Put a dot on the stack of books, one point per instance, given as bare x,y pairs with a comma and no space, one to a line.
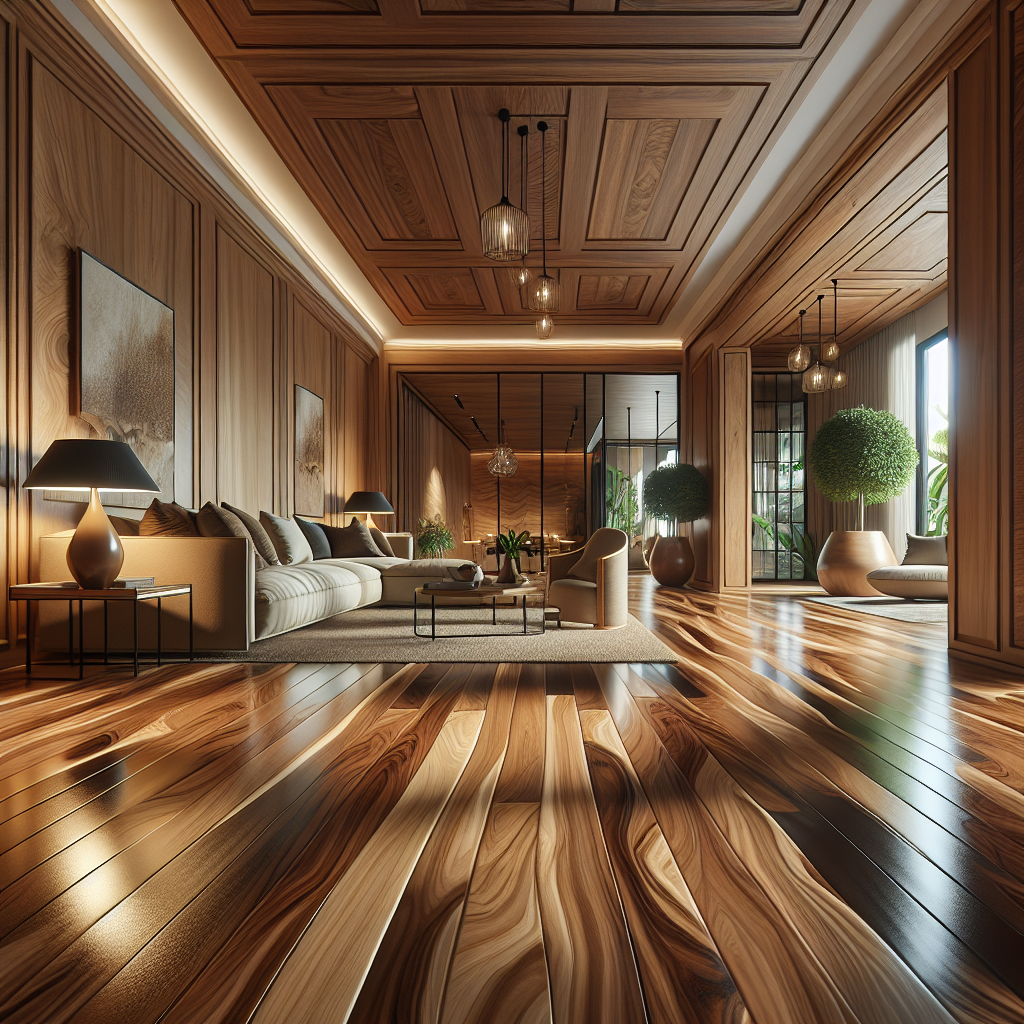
133,582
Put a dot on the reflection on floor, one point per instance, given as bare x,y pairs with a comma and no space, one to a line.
814,816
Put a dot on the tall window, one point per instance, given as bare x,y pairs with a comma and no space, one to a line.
933,434
780,426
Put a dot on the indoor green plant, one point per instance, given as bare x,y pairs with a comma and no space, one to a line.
678,493
511,544
433,537
867,456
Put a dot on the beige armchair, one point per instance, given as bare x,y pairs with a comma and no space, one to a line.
590,584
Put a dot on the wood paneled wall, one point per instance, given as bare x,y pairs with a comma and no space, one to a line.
984,288
733,490
94,170
699,442
434,471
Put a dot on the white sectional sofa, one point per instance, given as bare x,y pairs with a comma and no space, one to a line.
234,602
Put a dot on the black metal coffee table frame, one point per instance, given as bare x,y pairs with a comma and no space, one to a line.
474,600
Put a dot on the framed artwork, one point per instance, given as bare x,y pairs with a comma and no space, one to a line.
125,372
309,453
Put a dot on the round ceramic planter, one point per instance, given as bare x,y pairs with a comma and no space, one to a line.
671,561
846,559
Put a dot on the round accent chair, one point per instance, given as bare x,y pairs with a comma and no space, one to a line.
590,585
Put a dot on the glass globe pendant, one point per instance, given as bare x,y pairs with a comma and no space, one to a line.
504,228
543,293
818,377
503,462
830,348
520,276
800,357
545,327
839,380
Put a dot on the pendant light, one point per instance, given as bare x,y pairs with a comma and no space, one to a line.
503,462
545,326
504,228
800,357
830,349
838,380
521,276
542,294
816,377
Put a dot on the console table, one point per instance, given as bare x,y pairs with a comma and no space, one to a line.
72,592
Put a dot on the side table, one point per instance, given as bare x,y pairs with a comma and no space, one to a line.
72,592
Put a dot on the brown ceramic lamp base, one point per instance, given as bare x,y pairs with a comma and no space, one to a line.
671,561
95,555
846,559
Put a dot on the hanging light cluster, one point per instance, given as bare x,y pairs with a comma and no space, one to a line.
822,375
503,462
543,293
504,228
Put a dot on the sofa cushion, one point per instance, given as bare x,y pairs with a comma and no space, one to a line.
911,581
316,537
215,521
925,550
168,519
289,596
260,538
125,527
352,541
382,542
288,539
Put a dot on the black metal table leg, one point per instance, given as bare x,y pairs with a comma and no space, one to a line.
81,642
28,638
71,632
433,617
159,628
135,610
494,612
191,628
106,604
524,615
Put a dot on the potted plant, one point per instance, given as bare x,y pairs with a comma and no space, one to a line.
433,537
867,456
511,543
678,493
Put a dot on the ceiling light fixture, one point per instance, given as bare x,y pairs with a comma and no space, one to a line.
521,276
830,349
838,380
504,228
816,378
503,462
800,357
542,294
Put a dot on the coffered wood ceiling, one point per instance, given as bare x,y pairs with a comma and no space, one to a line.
385,114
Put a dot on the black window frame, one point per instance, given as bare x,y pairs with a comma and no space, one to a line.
921,420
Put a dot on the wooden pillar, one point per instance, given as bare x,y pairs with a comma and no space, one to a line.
985,329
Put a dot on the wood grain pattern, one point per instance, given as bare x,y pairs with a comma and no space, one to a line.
810,816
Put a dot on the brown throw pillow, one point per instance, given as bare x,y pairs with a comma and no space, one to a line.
125,527
318,542
352,541
167,519
214,521
925,550
382,542
260,538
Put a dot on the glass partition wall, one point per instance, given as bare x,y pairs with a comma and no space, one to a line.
584,442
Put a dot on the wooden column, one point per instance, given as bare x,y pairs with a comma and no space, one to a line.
732,492
985,329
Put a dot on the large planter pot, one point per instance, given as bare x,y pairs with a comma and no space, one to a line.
672,561
846,559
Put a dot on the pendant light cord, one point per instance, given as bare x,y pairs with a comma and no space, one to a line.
542,127
835,314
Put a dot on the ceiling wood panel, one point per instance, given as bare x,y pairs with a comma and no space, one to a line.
386,115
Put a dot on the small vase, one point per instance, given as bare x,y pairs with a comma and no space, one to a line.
672,561
509,574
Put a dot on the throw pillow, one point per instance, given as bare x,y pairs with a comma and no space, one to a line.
125,527
288,539
214,521
260,538
314,533
925,550
382,542
167,519
352,541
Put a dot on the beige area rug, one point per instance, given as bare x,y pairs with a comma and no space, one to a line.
889,607
385,635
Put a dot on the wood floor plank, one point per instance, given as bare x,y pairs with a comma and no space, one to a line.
498,969
684,979
522,775
755,939
320,980
407,977
590,959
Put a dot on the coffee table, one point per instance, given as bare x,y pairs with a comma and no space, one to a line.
479,598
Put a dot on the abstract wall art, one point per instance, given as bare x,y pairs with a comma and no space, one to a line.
309,453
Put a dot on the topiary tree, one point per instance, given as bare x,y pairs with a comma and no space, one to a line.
678,492
862,455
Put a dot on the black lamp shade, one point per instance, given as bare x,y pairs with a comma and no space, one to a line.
367,501
80,463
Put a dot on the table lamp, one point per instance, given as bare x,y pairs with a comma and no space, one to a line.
95,554
368,502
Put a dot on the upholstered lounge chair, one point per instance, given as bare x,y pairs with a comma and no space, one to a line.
590,585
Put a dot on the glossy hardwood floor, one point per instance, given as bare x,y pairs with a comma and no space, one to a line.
813,817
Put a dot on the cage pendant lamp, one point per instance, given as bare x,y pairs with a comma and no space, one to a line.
521,275
542,294
800,357
504,228
830,348
816,377
838,379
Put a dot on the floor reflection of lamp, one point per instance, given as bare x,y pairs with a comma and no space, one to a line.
95,555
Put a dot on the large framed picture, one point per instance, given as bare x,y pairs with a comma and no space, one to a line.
124,384
309,453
